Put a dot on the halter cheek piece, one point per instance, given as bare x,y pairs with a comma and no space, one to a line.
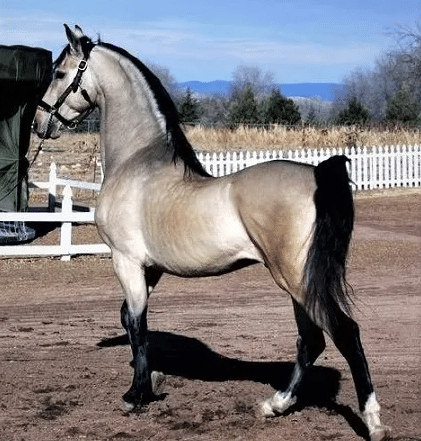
73,87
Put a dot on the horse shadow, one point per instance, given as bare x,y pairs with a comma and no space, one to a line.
187,357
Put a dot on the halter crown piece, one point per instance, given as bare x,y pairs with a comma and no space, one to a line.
73,87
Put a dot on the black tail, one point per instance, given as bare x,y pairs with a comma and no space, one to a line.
326,289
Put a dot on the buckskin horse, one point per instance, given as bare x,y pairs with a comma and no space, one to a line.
160,211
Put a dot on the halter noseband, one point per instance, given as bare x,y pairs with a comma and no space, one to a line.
73,87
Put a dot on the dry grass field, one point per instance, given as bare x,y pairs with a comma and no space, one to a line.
224,139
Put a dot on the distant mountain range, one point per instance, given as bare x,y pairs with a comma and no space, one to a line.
324,91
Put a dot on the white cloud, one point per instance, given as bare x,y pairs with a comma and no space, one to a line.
189,48
29,30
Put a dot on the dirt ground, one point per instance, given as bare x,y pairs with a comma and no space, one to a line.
225,343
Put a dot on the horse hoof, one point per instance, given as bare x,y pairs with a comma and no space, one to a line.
381,434
128,407
130,401
278,404
266,409
158,381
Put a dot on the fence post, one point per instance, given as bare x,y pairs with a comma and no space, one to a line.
52,187
66,227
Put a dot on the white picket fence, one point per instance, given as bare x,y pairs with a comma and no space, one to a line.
370,168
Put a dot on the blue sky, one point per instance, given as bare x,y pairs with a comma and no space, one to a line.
297,40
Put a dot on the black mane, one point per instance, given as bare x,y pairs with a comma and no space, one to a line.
176,139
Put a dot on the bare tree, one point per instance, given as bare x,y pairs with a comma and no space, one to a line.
167,80
243,76
408,39
395,70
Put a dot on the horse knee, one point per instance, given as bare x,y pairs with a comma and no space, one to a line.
124,315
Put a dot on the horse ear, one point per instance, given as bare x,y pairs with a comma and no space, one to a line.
74,38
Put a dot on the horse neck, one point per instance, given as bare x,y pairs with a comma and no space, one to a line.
130,118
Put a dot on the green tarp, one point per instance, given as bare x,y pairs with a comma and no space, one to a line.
25,73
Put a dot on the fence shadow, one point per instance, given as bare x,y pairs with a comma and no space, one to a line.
190,358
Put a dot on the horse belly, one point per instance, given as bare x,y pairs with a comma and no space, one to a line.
202,245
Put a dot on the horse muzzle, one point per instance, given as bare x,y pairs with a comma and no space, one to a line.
45,126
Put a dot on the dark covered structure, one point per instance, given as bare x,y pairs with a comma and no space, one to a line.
25,73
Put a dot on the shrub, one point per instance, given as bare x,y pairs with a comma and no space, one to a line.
188,108
354,114
279,110
402,109
244,111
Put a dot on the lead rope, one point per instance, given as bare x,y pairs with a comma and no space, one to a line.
36,154
40,144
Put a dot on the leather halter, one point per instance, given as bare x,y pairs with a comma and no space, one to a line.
73,87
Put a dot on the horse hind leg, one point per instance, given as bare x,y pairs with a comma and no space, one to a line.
345,334
310,344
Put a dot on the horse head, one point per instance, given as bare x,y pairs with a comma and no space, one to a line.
71,95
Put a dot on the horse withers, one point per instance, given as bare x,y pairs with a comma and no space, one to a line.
160,211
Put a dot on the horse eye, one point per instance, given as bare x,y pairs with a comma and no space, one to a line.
60,75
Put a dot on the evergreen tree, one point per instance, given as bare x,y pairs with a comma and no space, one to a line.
279,110
401,108
354,113
189,108
244,111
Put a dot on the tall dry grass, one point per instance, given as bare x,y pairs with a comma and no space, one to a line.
77,154
280,137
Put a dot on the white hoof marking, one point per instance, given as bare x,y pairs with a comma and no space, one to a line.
371,413
266,408
128,407
278,404
381,434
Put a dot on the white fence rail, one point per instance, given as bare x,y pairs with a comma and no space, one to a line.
66,217
370,168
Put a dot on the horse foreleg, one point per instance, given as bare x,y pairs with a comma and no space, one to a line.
137,332
137,283
310,345
157,378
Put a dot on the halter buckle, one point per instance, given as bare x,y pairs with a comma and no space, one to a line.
72,125
83,65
